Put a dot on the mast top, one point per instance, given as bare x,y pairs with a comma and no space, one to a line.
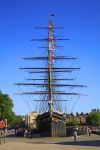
51,15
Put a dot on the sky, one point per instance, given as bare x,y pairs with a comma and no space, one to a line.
81,22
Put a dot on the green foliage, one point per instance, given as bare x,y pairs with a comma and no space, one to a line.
73,122
15,120
93,119
6,106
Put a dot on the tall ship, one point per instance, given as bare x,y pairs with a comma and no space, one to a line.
51,82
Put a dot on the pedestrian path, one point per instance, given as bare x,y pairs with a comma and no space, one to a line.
83,143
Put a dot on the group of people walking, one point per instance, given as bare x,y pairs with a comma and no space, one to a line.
27,133
88,132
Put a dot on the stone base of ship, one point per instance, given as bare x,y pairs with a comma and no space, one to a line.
51,125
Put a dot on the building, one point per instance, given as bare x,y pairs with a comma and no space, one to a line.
95,110
31,120
81,118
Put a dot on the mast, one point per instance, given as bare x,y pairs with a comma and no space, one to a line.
48,81
51,43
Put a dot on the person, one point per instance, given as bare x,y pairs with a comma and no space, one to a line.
89,131
5,134
25,133
29,133
75,135
13,130
2,131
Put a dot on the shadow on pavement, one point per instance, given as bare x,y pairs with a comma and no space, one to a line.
82,143
11,135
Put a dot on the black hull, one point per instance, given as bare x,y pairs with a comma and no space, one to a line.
52,126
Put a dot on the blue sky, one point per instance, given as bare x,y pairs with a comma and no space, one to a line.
81,19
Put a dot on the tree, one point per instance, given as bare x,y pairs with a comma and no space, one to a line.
6,105
93,119
73,122
15,120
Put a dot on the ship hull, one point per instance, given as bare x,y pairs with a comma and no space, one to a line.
51,125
